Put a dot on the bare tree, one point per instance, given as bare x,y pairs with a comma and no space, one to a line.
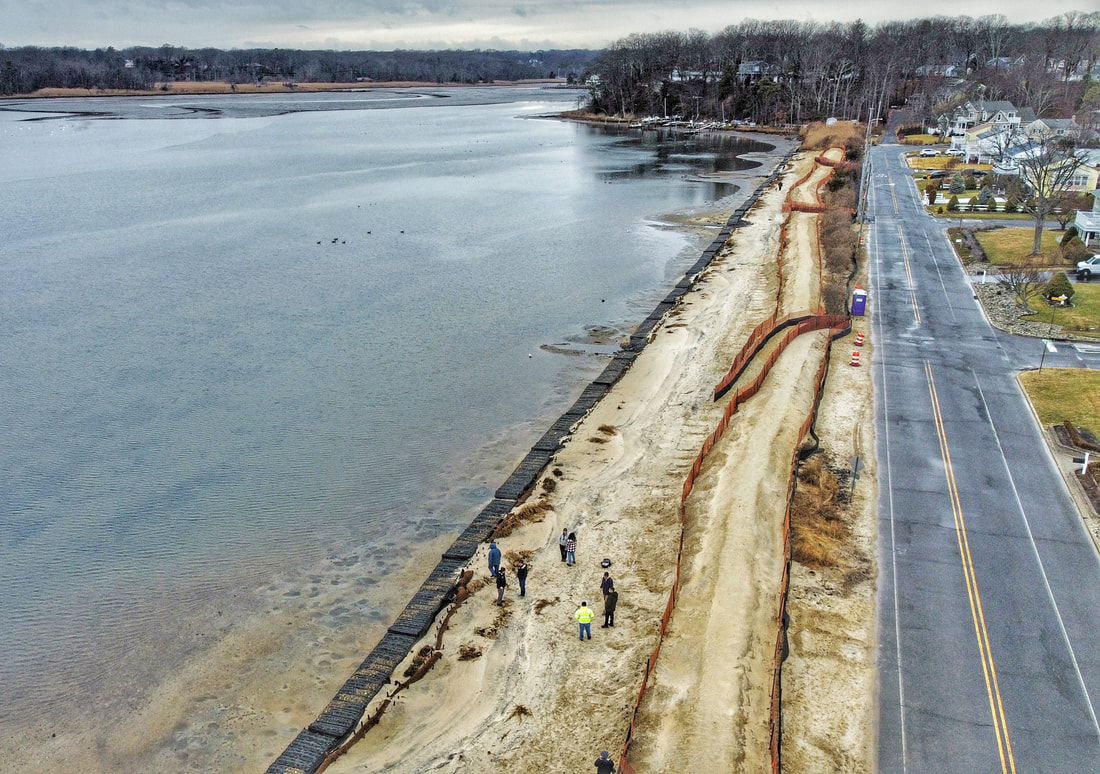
1047,164
1024,283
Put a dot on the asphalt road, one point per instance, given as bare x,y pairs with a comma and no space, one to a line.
989,592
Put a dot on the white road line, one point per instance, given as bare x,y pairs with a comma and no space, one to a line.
876,327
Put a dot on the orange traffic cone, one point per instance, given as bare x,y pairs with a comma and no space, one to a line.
855,358
859,339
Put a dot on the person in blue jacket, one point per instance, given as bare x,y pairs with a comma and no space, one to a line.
494,559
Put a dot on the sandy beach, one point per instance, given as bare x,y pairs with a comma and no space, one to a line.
517,689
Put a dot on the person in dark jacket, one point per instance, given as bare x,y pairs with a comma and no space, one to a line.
501,584
494,559
605,584
610,600
604,764
561,541
521,576
571,549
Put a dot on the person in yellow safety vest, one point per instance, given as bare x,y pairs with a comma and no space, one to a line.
584,616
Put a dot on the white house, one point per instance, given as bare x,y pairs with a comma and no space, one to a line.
1088,222
999,113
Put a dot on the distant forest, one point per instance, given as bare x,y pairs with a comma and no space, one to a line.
790,72
779,72
29,68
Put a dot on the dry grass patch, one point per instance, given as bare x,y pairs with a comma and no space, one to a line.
515,557
542,604
819,136
531,512
468,652
519,712
818,531
418,661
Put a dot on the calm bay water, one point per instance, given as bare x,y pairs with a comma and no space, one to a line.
303,327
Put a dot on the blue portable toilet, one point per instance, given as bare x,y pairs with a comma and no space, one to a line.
859,301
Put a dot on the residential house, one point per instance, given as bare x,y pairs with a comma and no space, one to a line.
987,143
754,70
996,112
1088,222
1052,127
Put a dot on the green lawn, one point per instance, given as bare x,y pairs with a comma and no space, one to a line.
1011,247
1082,318
1059,394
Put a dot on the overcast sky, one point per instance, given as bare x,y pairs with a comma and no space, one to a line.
439,24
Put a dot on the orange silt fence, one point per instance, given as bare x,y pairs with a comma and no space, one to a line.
797,325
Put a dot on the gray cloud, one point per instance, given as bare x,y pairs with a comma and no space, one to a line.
388,24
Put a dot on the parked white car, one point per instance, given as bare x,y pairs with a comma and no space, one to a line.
955,152
1088,267
928,152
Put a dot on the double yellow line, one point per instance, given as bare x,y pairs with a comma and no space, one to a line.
909,275
996,708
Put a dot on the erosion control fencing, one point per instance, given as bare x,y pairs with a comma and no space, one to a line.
795,326
341,723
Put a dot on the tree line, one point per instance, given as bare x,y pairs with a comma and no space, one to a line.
27,69
790,72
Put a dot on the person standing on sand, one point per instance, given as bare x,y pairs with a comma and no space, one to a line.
604,764
584,616
610,600
561,541
494,559
521,576
605,584
571,549
501,583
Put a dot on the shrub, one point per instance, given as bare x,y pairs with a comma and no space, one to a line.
1074,250
969,181
1059,285
1011,206
957,186
931,190
973,203
953,204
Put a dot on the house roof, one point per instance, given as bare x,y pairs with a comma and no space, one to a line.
1088,156
1058,123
